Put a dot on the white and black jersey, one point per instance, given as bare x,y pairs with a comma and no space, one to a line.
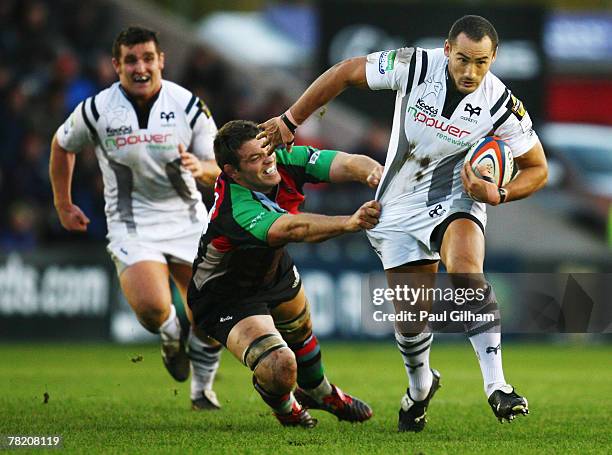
147,192
433,124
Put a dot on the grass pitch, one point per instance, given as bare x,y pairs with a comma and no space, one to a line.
119,399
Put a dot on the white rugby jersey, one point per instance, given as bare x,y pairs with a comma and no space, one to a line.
146,191
428,139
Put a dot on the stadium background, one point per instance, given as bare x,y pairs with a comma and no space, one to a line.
557,58
58,286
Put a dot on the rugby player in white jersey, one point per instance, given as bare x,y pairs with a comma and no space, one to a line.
152,138
434,206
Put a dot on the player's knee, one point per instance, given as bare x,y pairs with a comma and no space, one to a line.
411,334
277,373
151,317
462,263
297,329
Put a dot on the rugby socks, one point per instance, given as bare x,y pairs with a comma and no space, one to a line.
415,353
310,374
170,330
280,404
204,364
486,341
488,350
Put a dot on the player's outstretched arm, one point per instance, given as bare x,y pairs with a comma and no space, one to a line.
61,168
309,227
355,168
347,73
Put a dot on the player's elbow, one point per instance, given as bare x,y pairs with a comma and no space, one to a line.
544,175
289,232
351,71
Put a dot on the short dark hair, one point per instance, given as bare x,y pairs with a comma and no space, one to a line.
230,138
475,27
131,36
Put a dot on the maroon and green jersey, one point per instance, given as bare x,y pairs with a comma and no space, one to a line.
234,259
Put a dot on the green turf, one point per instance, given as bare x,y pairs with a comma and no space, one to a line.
101,401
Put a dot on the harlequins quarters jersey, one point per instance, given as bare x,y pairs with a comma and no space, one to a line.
434,125
234,259
146,190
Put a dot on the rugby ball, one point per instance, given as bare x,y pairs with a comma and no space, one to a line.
496,155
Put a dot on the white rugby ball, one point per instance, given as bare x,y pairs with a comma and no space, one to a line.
496,155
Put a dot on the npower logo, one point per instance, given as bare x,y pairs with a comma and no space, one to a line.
435,123
115,143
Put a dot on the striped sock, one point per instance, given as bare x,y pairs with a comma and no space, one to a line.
204,364
415,353
486,341
310,373
281,404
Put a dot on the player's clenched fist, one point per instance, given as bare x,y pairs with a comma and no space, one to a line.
366,217
72,218
374,178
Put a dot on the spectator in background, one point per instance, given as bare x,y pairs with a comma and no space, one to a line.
20,234
210,79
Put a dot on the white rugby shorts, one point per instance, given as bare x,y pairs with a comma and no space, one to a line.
130,249
404,231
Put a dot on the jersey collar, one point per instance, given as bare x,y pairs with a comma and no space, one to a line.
141,113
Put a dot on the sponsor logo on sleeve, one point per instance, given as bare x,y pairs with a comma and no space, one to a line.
68,124
257,219
386,61
517,108
314,157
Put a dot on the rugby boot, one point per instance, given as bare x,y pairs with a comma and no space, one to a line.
175,359
206,401
298,417
338,403
507,404
412,414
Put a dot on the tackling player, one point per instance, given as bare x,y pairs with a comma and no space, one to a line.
434,207
142,127
246,291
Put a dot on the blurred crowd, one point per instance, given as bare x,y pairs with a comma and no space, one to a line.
55,53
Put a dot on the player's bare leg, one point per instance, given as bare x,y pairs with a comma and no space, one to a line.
414,345
147,290
203,351
292,319
256,342
463,251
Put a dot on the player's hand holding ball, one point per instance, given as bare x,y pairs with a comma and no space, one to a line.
488,167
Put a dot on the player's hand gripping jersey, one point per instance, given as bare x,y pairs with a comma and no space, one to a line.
433,126
235,262
146,191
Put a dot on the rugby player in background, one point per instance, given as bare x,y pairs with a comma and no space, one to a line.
152,138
